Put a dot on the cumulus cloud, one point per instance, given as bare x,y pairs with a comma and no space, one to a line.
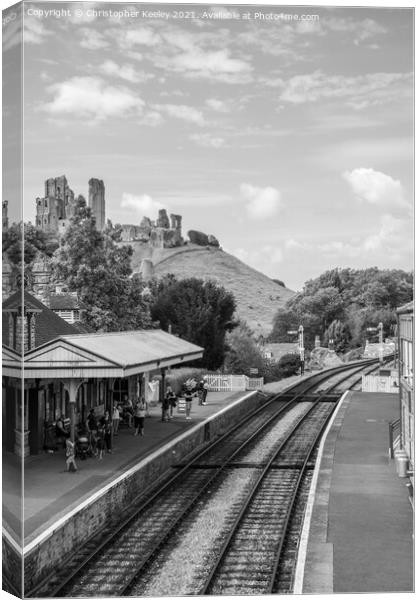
143,205
375,187
92,39
217,65
391,234
92,97
130,38
262,203
35,31
217,105
126,72
358,92
183,112
207,140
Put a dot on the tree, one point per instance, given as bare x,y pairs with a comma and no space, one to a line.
339,333
243,352
98,269
34,241
199,311
288,365
341,303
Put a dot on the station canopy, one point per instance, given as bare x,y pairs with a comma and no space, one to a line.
100,355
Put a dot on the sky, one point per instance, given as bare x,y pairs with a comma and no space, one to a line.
290,140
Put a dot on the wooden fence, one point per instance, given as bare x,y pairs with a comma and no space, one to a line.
233,383
376,383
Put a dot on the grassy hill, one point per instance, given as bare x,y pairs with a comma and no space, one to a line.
257,296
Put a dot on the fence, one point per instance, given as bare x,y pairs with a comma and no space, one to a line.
233,383
375,383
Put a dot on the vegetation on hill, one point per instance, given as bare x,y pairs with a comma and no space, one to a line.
257,297
199,311
341,304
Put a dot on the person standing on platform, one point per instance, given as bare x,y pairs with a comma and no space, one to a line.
188,403
93,430
205,390
70,455
100,444
200,392
139,415
115,419
107,426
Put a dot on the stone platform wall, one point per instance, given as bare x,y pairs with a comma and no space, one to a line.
50,553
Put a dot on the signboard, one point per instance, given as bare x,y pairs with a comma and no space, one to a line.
181,405
253,371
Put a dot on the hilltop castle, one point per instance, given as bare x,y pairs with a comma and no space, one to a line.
56,208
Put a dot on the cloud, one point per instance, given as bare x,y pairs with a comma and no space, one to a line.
358,92
207,140
126,72
217,65
393,234
35,31
130,38
92,39
217,105
143,205
91,97
183,112
266,259
375,187
262,203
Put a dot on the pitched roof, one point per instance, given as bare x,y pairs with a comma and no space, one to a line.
48,325
118,354
64,302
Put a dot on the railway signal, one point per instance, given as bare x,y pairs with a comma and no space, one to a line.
379,328
301,347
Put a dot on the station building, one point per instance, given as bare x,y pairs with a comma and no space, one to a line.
50,369
406,378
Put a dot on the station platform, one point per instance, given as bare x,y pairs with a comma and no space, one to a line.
50,491
358,530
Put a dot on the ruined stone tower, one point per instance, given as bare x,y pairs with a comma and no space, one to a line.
52,211
97,201
5,215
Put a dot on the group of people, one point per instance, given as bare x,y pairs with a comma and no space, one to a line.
190,389
95,435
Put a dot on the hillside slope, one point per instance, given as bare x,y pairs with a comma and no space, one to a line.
257,297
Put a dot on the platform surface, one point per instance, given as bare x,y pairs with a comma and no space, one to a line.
50,491
361,529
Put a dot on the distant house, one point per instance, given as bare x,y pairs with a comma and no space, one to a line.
33,323
275,351
66,305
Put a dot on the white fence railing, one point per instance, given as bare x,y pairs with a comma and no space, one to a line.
233,383
376,383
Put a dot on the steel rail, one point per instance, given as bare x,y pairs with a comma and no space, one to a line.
206,588
108,538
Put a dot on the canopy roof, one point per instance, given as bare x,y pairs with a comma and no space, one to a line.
118,354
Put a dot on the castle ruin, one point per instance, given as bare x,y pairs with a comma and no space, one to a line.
161,233
56,208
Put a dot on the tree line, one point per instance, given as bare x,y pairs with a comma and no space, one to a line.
338,306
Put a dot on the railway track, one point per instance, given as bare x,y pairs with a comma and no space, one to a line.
117,560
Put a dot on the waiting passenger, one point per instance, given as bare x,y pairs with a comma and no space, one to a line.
70,455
